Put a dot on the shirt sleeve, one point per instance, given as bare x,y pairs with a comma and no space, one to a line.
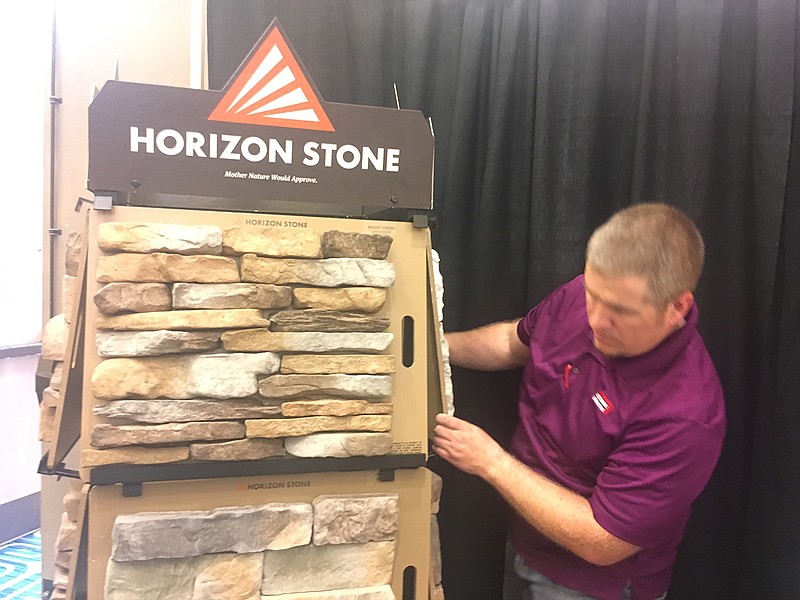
645,492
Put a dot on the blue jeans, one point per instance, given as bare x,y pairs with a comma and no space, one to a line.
523,583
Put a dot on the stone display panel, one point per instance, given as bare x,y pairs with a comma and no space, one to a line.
241,341
344,536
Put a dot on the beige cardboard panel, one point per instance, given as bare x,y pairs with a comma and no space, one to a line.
413,487
407,297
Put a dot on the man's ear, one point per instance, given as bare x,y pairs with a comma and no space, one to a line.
679,308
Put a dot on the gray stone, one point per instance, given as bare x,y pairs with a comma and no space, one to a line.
436,552
73,253
54,338
185,319
115,298
249,449
339,445
133,455
436,492
229,375
343,244
278,428
334,407
328,272
325,320
110,436
263,340
239,529
355,519
164,268
310,364
378,592
319,568
159,237
369,300
159,579
272,241
230,295
164,410
153,343
357,386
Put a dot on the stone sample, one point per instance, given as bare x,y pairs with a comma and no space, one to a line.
163,268
263,340
69,289
278,428
343,244
338,363
270,241
249,449
436,492
334,407
114,298
379,592
436,552
50,397
339,445
153,343
234,576
230,295
437,593
133,456
368,300
239,529
319,568
357,386
328,272
54,338
325,320
158,237
185,319
47,423
165,410
67,534
73,253
355,519
182,377
57,378
110,436
159,579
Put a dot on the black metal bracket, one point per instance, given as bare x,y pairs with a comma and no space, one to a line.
386,475
59,470
131,490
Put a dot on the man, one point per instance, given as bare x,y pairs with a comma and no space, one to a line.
621,416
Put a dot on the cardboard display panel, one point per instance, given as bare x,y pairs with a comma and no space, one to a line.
406,309
411,563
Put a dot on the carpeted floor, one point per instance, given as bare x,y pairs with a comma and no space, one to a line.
21,568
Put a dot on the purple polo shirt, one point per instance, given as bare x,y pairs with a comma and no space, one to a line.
638,437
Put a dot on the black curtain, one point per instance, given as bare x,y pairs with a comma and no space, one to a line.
549,115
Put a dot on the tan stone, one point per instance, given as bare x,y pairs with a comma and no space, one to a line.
114,298
110,436
334,408
345,244
249,449
73,253
50,397
164,410
378,592
165,268
57,378
117,344
185,319
437,593
159,237
366,299
230,576
436,492
47,423
436,552
272,241
62,558
355,386
338,363
263,340
158,579
325,320
230,295
328,272
69,288
276,428
355,518
54,338
67,534
72,501
339,445
133,455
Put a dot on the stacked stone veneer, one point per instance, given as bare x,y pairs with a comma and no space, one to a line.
336,547
240,344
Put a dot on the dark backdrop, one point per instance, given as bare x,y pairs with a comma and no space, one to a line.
550,115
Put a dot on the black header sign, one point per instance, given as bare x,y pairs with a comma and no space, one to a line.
267,135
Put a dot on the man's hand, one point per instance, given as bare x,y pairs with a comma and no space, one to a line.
465,445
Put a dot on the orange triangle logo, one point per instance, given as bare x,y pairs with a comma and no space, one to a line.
271,88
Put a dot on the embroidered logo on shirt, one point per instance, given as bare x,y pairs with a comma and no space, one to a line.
602,402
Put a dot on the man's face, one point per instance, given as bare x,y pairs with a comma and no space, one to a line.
624,323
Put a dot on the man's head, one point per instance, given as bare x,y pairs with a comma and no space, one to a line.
642,266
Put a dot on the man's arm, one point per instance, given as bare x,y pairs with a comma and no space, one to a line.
560,514
495,347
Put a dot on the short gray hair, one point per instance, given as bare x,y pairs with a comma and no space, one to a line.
654,241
